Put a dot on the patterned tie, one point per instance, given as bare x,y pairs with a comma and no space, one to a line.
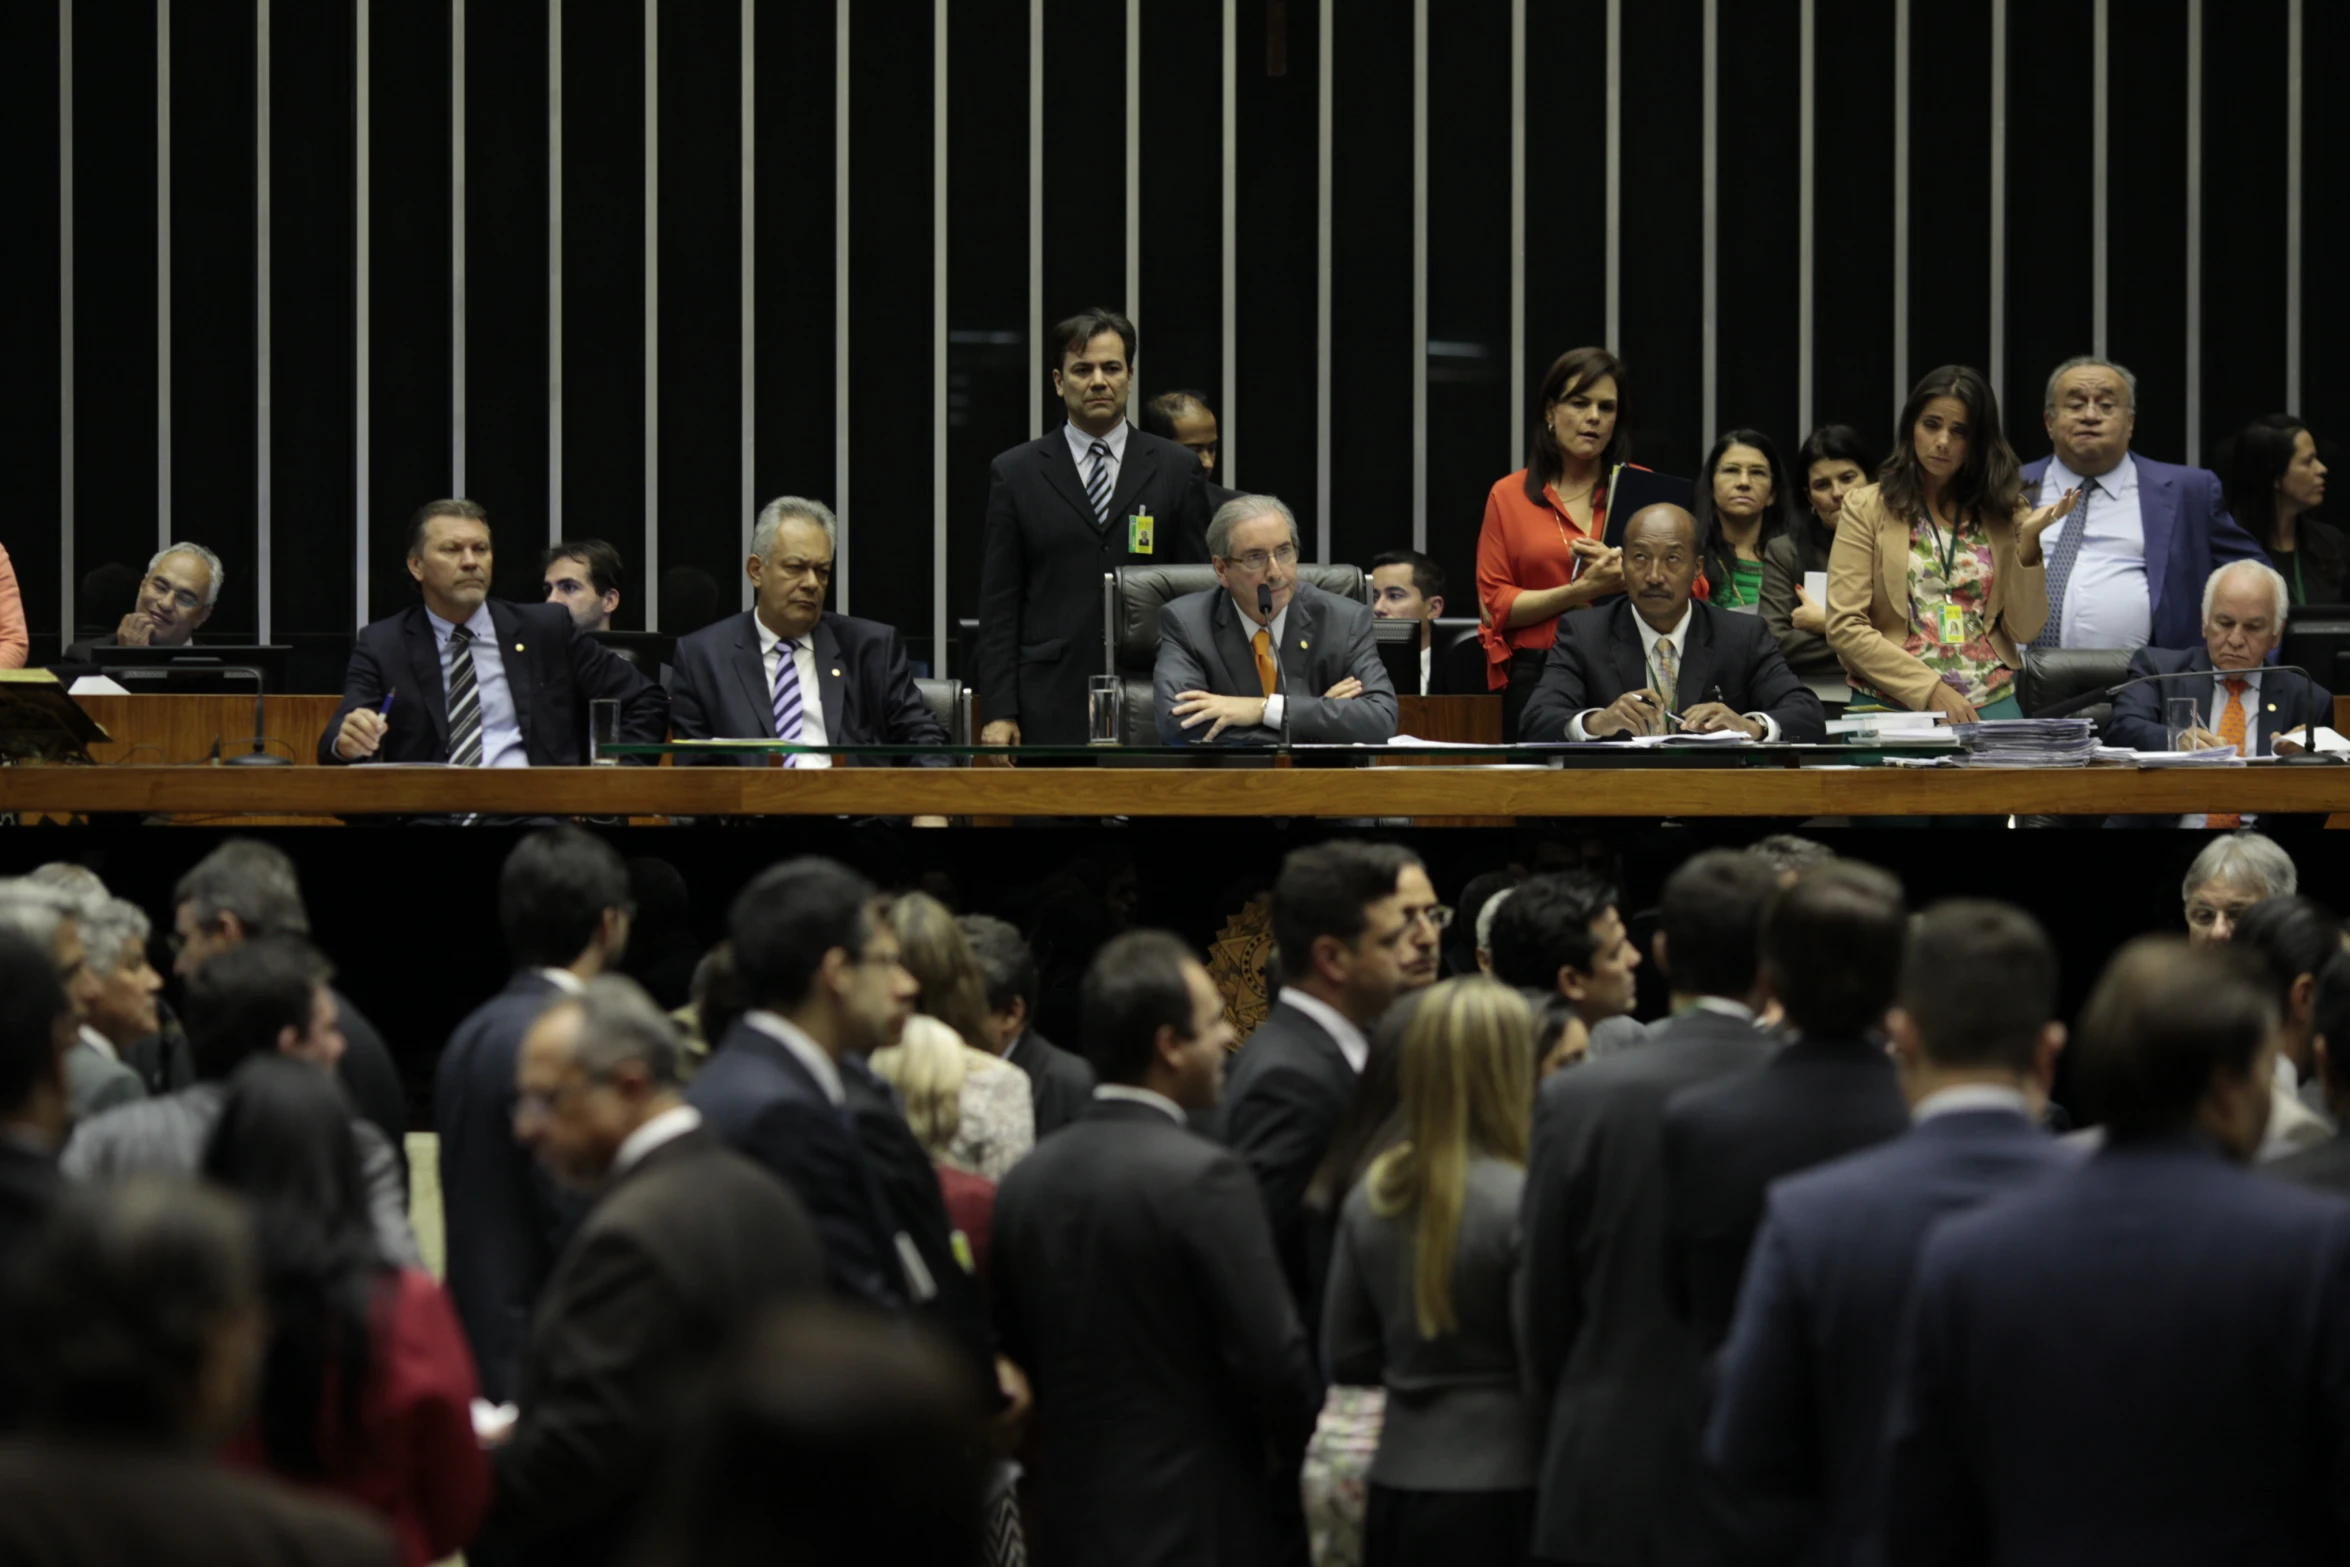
1668,674
1267,675
464,701
2060,566
1097,484
2231,732
787,696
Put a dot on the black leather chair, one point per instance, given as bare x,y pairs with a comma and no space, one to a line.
2053,675
1460,656
644,651
1131,598
950,703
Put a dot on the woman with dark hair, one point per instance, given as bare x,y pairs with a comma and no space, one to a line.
1832,464
1740,503
2273,477
1936,582
1541,551
366,1388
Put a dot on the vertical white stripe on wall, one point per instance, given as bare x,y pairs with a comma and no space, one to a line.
1328,79
2293,153
555,271
1615,175
162,273
1900,204
747,504
456,247
938,310
1133,306
2100,177
845,548
65,348
1035,211
1228,416
1805,194
1419,274
263,573
1709,200
2194,323
652,311
1517,409
1999,198
362,334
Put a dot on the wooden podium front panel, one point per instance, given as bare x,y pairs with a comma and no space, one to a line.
170,731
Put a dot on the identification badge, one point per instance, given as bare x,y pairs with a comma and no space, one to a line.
1139,533
1953,624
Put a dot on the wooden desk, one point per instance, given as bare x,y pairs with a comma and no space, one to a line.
175,729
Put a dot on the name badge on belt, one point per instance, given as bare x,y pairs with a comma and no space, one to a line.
1139,533
1953,624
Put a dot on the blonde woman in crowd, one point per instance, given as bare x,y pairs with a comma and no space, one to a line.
969,1107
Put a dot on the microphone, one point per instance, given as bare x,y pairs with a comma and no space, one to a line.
2089,699
259,756
1280,675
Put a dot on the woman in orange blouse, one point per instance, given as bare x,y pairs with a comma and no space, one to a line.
15,647
1540,552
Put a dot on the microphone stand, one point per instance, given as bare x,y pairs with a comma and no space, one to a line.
259,756
1280,674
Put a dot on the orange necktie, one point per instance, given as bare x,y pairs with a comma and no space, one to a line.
1266,674
2231,732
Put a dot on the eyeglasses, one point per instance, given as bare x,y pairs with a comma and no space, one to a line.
180,596
535,1103
1258,560
1437,915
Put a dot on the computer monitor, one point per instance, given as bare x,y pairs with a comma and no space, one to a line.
2317,638
194,669
1399,653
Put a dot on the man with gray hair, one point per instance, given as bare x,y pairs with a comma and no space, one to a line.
175,599
2228,877
790,669
1263,656
2125,566
52,918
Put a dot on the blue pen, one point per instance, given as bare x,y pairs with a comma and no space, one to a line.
385,711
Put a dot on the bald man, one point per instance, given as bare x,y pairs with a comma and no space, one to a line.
1657,661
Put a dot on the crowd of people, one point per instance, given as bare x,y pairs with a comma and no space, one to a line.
1856,1254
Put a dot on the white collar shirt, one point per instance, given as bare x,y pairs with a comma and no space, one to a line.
1126,1093
1679,638
1081,448
667,1127
2106,599
805,1050
803,663
562,979
501,730
1968,1097
1351,1043
100,1043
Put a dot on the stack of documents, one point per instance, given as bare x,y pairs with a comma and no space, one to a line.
2027,742
2209,756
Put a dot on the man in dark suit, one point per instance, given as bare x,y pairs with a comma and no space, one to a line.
789,669
475,681
820,971
1345,941
2245,605
2327,1165
175,599
36,1029
1135,1278
1658,661
1219,676
1609,1362
1407,585
686,1244
1060,1085
1799,1412
2141,1360
563,903
1086,498
1560,938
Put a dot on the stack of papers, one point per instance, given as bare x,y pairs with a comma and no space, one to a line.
2027,742
2211,756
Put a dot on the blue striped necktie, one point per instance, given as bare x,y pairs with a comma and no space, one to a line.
787,696
1097,484
464,701
2060,566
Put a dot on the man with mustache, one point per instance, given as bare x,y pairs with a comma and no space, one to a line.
1658,661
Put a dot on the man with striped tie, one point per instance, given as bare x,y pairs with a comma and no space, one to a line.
474,681
1091,496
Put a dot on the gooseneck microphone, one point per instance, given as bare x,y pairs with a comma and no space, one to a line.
1280,675
2088,699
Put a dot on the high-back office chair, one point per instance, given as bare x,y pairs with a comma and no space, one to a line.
949,702
1131,598
2053,675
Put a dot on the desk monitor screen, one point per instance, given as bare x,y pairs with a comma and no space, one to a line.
175,671
2317,638
1399,653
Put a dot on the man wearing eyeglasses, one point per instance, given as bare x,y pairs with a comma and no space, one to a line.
788,668
175,599
1262,653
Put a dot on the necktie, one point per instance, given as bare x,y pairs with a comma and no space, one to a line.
1267,674
464,701
1668,674
787,696
2060,565
2231,732
1097,483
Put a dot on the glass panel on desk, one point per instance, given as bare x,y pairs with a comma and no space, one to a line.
1544,754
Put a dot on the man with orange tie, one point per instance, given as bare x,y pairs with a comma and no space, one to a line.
2241,703
1219,680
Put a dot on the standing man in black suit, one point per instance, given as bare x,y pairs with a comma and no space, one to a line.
1799,1414
2327,1165
475,681
1346,941
788,668
1060,1085
2142,1360
1135,1278
563,903
1659,661
687,1243
1610,1362
1085,499
820,972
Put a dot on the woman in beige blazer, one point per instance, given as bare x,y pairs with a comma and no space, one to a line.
1936,581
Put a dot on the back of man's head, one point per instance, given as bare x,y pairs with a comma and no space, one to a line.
553,893
253,880
1979,983
120,1312
2166,1020
241,1001
33,1012
1711,917
1134,987
34,912
784,922
1833,945
1545,926
1327,890
2291,936
1005,960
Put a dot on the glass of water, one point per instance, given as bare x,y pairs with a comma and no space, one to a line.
1103,695
603,733
2180,716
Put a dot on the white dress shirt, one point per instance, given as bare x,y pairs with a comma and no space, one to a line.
2106,601
809,1053
1276,704
1142,1096
667,1127
105,1047
803,659
1970,1096
1351,1043
1081,448
501,731
1427,657
1679,638
562,979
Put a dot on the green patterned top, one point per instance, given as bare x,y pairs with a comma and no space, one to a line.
1744,589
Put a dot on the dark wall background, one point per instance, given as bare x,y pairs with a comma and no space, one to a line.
201,447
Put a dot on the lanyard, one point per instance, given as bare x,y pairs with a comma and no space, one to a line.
1948,557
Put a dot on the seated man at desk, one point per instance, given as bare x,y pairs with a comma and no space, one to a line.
1217,681
788,668
477,682
175,599
1658,660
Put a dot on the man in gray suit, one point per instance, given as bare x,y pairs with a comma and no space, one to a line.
1219,679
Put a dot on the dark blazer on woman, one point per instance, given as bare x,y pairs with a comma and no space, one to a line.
718,690
1786,562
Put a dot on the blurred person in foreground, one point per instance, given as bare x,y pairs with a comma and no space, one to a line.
2232,873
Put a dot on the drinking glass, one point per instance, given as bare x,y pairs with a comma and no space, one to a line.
2180,714
1103,694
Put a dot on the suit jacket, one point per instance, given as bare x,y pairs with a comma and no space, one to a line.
1043,557
1869,603
95,1081
1135,1281
754,1093
1060,1085
1284,1094
29,1186
67,1506
1597,657
1799,1411
373,1083
1204,646
2189,535
2286,699
681,1252
506,1220
552,672
1608,1360
2147,1360
2324,1165
718,689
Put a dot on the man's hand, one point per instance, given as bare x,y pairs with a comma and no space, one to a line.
136,630
361,734
1639,712
2201,739
1711,717
1228,712
1345,691
1004,731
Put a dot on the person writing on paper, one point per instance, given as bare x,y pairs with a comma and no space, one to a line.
1936,582
1831,465
1659,661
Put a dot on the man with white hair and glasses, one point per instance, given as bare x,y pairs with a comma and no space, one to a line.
175,599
